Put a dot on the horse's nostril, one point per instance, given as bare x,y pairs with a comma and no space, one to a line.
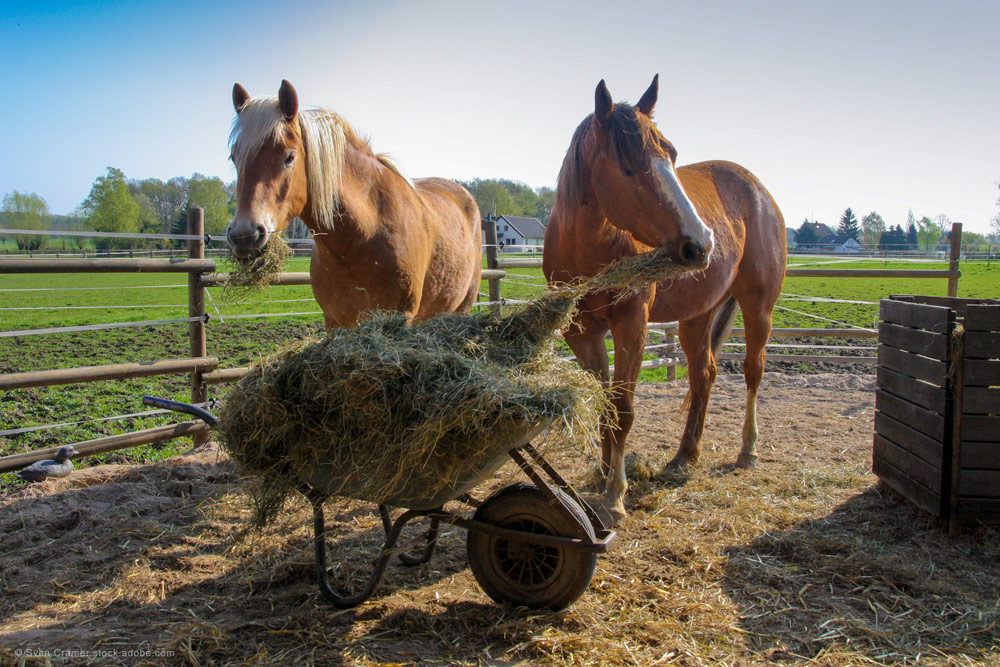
692,252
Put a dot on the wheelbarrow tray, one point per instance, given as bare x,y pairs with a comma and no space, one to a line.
428,487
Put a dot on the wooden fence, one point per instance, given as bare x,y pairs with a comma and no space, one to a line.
204,369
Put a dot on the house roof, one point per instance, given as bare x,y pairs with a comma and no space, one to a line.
529,228
839,240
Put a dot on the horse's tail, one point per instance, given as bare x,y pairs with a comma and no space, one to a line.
723,325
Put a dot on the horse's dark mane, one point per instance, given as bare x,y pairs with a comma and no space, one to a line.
632,139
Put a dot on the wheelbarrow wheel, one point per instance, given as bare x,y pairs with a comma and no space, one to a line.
540,577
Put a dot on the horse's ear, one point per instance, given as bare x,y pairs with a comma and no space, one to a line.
288,100
602,103
648,100
240,97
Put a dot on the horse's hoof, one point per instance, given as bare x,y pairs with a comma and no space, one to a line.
680,463
613,516
746,461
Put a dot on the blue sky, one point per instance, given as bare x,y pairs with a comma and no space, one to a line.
884,106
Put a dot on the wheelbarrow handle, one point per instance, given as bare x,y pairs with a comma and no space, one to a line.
177,406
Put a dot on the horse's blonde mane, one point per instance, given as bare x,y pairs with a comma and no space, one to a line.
325,135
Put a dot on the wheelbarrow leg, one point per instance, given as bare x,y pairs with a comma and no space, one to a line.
378,569
422,556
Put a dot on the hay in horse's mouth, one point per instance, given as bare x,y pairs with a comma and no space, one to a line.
389,405
250,275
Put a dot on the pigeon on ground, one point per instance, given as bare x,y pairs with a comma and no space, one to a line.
60,467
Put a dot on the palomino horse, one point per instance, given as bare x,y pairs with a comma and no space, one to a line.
619,194
381,242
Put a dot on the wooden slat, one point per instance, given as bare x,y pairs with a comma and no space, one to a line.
980,428
920,316
979,483
981,401
106,372
107,444
982,318
978,510
929,344
982,345
980,455
925,421
914,467
913,365
107,265
981,372
872,273
924,394
958,304
920,496
225,375
918,444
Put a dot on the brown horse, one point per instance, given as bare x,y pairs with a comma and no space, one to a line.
381,242
619,194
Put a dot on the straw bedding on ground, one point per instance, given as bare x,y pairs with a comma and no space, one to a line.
804,560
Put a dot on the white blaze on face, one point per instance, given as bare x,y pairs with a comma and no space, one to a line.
692,226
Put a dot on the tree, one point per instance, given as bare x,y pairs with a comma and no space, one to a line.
928,233
848,225
994,235
211,194
806,234
872,228
165,199
493,198
894,238
26,210
110,208
911,230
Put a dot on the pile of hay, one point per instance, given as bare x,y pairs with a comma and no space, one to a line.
248,276
397,412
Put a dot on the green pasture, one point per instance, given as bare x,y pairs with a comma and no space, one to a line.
57,300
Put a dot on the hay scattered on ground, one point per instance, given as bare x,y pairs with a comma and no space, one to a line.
251,276
401,413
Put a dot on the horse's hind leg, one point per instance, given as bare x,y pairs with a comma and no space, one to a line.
696,341
757,329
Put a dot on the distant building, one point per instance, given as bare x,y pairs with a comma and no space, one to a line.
841,245
790,238
514,232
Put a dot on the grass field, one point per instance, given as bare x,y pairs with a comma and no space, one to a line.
56,300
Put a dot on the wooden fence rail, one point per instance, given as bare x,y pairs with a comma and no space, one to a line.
204,369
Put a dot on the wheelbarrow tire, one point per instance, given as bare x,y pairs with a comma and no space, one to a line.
539,577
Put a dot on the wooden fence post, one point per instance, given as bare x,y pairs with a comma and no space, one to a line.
953,259
490,228
196,308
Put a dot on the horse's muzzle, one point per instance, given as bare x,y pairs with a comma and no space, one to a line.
694,254
247,242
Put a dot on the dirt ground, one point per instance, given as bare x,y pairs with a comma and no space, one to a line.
803,559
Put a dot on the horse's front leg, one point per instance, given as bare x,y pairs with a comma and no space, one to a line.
629,332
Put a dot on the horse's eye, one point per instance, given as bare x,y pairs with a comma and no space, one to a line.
290,159
629,172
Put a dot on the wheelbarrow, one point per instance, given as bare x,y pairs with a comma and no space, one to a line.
530,543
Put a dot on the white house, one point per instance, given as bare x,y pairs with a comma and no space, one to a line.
513,231
841,245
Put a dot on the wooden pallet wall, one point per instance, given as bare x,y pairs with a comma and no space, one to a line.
913,418
976,493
